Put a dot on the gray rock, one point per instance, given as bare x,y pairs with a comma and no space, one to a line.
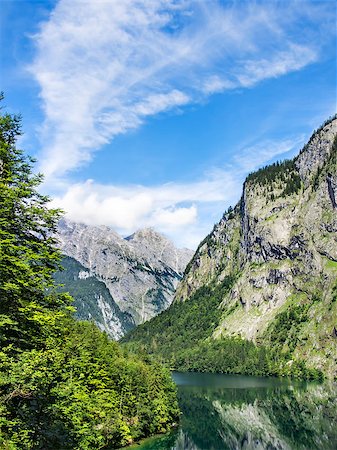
315,154
141,272
280,241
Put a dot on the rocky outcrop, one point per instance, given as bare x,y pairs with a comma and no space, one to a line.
316,152
92,299
331,189
140,272
281,243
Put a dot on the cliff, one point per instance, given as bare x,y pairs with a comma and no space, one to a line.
138,274
278,249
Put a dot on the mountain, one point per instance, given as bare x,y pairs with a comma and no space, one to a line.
260,293
93,300
119,282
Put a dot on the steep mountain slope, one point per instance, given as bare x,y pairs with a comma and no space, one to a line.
92,299
266,273
119,282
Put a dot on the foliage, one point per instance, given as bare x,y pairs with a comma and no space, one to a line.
269,173
28,256
182,335
293,184
283,336
63,384
283,332
84,393
181,338
284,172
184,325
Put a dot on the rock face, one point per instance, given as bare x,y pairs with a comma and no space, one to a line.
92,299
281,243
139,273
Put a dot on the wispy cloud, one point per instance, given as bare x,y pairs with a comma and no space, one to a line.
250,158
104,67
294,58
183,211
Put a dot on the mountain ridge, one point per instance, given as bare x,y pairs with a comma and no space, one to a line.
278,249
139,272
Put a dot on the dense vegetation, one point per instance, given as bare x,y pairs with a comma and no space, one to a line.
181,338
283,332
184,325
284,172
63,384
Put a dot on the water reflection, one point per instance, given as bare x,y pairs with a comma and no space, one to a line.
222,412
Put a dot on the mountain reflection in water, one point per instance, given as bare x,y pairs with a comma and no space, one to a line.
221,412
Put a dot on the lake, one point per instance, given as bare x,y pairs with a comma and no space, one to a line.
221,412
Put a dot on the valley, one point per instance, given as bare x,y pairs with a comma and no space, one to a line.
168,225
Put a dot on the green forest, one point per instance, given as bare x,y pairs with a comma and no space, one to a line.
181,338
63,384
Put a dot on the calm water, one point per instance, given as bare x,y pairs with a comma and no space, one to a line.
221,412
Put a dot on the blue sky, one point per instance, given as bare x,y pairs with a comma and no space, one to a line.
152,112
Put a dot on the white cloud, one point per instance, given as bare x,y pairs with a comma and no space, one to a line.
171,208
215,84
294,58
106,66
185,212
252,157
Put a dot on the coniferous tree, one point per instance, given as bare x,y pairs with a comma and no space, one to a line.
63,384
28,256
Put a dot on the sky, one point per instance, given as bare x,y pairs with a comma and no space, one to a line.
151,113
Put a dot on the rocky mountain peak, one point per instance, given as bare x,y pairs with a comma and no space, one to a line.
140,272
280,245
68,227
148,234
317,151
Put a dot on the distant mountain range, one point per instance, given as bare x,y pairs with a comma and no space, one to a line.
260,293
119,282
